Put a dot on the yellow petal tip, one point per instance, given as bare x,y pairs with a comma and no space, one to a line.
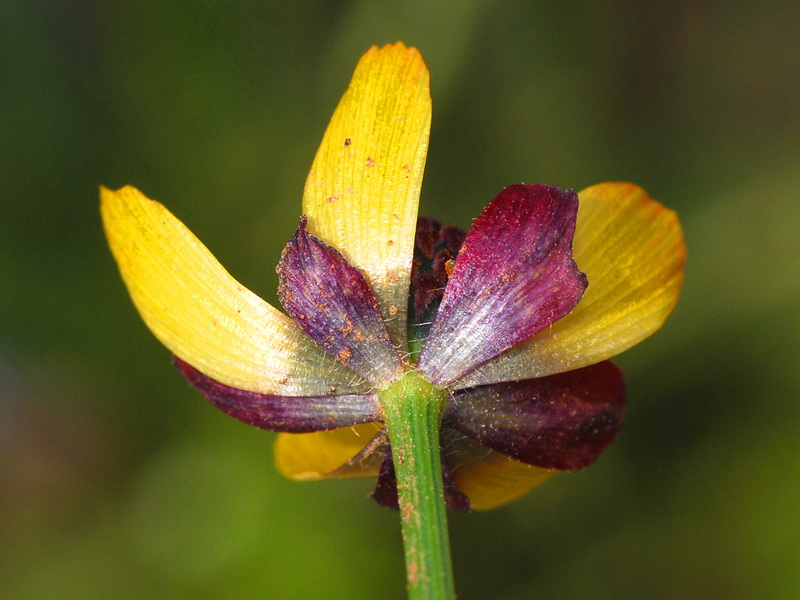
363,187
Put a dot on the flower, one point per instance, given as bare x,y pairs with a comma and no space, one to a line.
501,317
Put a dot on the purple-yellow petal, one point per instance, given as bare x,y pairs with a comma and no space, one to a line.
513,277
362,193
202,314
633,253
291,414
332,302
311,456
560,422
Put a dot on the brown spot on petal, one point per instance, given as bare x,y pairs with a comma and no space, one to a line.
370,162
393,310
347,142
331,198
344,355
347,329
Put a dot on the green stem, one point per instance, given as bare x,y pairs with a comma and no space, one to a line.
413,412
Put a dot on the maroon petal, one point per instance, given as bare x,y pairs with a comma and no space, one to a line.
435,249
385,492
559,422
454,497
333,303
290,414
513,277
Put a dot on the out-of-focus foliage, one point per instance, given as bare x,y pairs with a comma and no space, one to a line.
118,481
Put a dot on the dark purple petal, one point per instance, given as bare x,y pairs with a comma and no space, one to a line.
333,303
559,422
291,414
385,492
455,499
513,277
435,249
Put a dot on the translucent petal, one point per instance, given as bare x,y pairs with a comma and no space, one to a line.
203,315
362,193
310,456
632,251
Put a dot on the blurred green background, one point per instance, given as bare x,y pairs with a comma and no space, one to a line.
118,481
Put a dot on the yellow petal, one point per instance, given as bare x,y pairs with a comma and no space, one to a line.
496,479
311,456
633,252
203,315
362,193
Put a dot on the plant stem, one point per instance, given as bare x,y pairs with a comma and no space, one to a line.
413,412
